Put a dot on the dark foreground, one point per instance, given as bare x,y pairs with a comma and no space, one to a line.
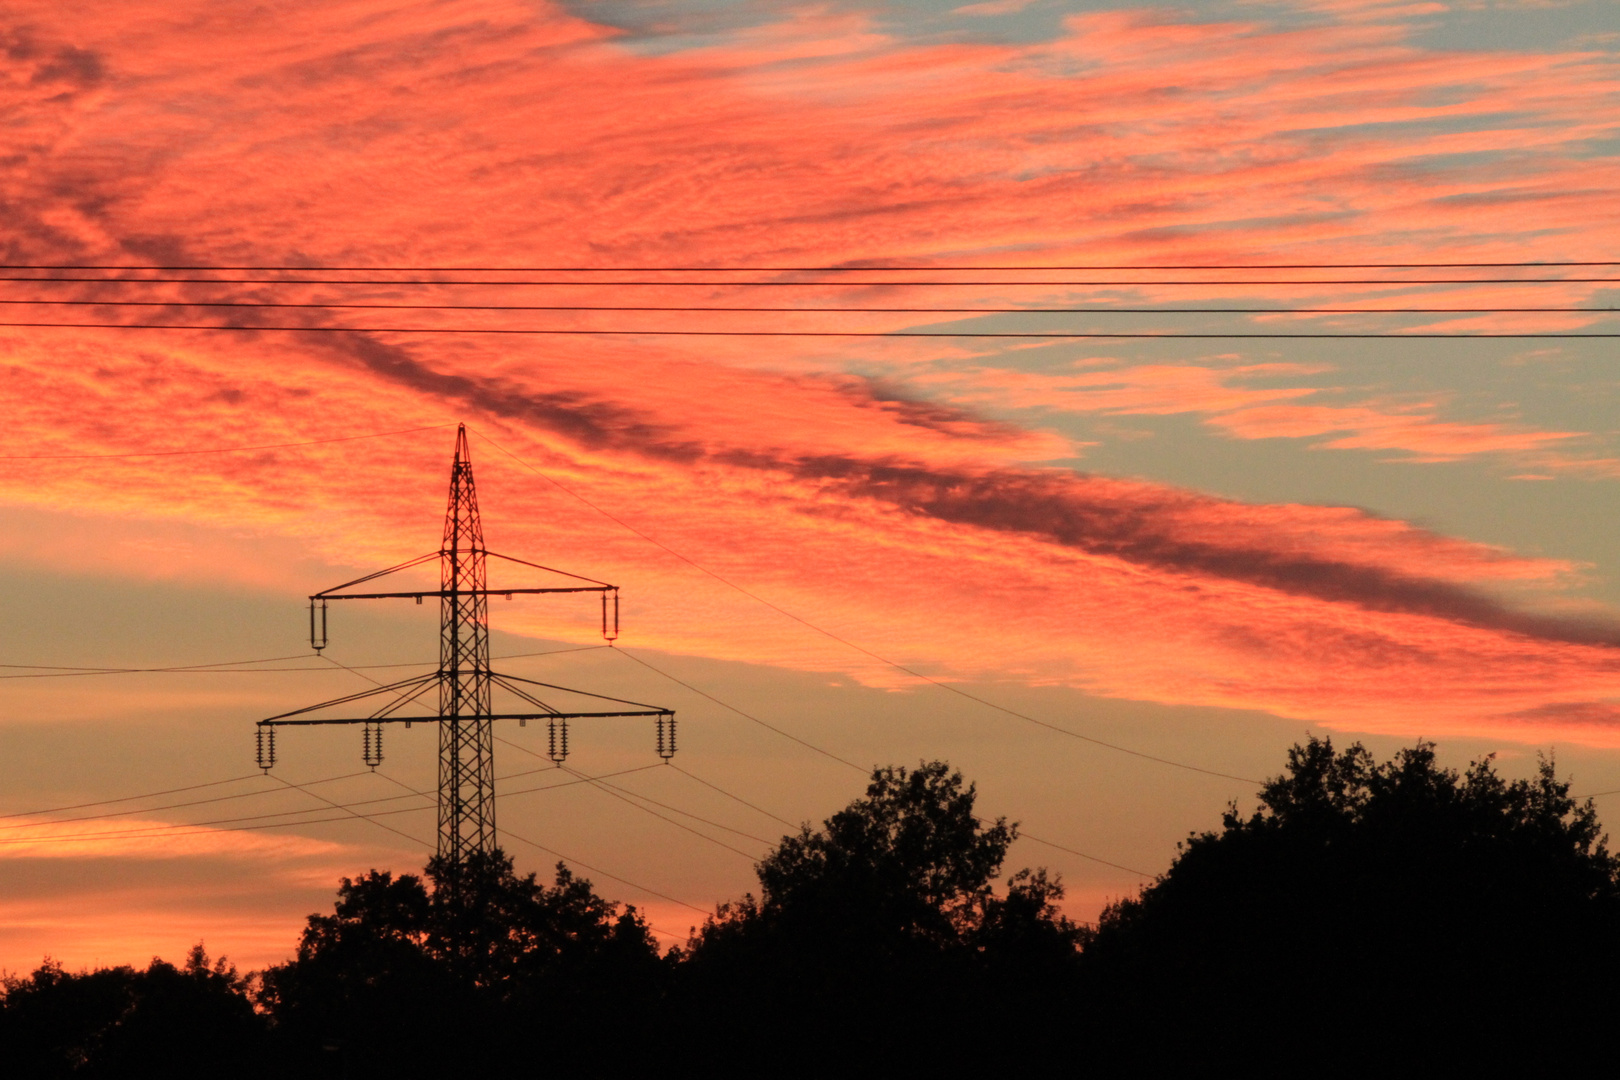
1369,919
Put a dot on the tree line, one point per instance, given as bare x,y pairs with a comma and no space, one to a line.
1367,918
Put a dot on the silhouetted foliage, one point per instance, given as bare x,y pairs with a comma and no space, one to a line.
1366,919
484,969
1369,919
876,941
194,1021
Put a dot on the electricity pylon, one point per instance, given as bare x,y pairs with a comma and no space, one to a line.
465,681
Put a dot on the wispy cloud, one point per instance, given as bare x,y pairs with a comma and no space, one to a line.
1232,399
147,838
495,133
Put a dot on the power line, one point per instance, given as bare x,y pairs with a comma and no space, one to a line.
678,810
745,715
267,791
211,450
1023,835
133,798
53,671
603,873
623,797
685,828
354,814
827,753
936,682
570,783
597,781
551,332
192,828
566,858
835,284
200,828
356,669
77,669
466,781
233,824
842,641
729,795
167,806
769,814
364,817
784,309
843,269
179,828
225,668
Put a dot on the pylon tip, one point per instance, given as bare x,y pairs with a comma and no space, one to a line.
463,453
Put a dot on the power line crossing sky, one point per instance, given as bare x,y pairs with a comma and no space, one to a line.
1182,381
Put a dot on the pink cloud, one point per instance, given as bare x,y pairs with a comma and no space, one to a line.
1227,399
499,133
994,7
357,115
933,549
1415,430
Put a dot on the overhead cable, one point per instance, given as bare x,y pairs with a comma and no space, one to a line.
767,813
599,781
201,826
847,643
844,268
698,309
688,283
56,671
217,449
970,334
133,798
552,851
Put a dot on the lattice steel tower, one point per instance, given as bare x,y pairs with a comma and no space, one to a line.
466,684
466,734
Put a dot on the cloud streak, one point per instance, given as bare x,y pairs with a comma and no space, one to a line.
484,133
1228,399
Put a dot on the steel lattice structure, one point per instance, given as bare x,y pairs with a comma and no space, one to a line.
466,734
465,681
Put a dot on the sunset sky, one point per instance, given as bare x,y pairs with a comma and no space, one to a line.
850,551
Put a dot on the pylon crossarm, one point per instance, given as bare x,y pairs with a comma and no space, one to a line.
548,569
406,565
403,684
419,593
351,720
488,716
577,715
465,714
502,679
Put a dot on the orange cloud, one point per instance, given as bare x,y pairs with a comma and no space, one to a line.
924,543
499,133
139,838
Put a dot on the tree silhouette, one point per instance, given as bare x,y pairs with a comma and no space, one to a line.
479,970
1369,918
876,941
192,1021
